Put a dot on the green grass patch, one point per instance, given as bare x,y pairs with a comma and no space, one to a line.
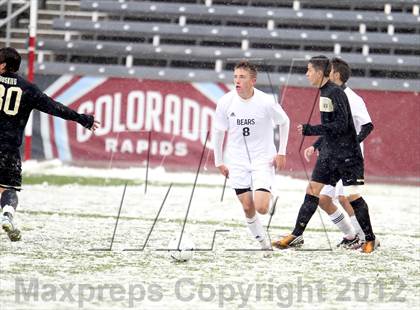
33,179
65,180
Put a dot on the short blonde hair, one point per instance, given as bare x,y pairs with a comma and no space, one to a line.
246,65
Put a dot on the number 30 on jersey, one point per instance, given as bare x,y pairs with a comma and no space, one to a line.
6,98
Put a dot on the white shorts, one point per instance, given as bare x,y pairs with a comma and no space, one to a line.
255,177
332,191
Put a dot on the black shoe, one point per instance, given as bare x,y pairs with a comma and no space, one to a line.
348,243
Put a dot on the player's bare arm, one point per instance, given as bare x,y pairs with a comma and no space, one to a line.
279,162
300,129
308,152
95,125
223,170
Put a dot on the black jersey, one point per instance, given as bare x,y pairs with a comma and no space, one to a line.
18,98
339,138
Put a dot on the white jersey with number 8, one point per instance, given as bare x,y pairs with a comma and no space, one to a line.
250,124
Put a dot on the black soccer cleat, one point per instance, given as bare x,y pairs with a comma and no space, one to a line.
349,243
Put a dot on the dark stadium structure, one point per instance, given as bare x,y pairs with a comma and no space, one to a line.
200,40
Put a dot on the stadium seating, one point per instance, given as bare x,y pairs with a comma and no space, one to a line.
187,52
377,5
237,34
222,13
201,75
379,38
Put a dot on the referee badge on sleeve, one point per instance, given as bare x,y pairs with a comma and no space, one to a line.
325,104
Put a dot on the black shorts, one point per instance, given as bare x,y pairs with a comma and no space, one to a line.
10,169
329,171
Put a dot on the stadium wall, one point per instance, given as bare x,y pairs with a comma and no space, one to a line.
175,118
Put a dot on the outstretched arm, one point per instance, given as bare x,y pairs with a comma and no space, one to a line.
44,103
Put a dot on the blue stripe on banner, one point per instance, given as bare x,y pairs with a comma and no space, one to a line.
210,90
74,92
78,89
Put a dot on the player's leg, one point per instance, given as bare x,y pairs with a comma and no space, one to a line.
10,182
340,219
8,202
306,211
309,206
326,199
252,218
241,181
353,179
361,211
344,202
321,175
262,198
262,184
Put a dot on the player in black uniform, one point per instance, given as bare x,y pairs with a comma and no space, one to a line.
18,98
340,156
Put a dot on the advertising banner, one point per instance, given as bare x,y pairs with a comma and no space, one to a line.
165,122
168,123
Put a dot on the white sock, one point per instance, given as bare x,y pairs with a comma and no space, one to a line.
357,227
9,209
256,228
342,221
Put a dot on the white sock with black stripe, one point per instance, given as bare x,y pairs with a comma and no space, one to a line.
342,221
256,228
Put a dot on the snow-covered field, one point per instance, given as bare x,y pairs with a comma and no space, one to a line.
64,260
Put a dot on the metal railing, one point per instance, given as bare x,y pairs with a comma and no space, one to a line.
11,15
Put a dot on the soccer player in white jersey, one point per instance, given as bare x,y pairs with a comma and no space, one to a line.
250,158
340,73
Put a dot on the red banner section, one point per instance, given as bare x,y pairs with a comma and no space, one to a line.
168,123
